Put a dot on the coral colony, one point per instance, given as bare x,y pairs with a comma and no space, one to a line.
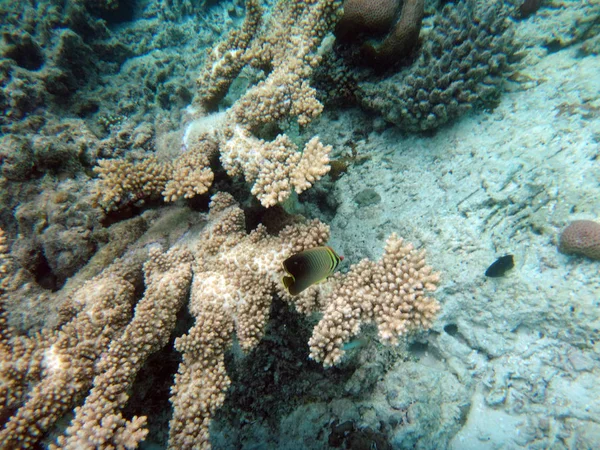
227,277
172,224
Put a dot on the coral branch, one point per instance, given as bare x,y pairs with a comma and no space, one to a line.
65,360
99,423
286,49
390,293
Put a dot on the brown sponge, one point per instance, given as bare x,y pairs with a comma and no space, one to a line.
581,237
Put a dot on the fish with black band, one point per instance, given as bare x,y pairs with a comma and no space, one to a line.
309,267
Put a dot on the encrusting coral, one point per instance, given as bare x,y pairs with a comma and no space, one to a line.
232,278
581,237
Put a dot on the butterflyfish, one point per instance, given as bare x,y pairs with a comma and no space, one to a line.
309,267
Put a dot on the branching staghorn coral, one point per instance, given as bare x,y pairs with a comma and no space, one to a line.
99,422
232,278
46,374
286,49
4,258
224,62
222,303
122,182
390,293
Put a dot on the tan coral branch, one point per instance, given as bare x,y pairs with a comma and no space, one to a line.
99,422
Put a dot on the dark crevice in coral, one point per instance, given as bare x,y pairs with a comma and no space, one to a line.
44,276
124,213
121,11
262,379
150,391
349,435
199,202
451,329
418,349
529,7
23,50
554,46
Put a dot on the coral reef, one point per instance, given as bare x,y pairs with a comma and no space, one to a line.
460,66
581,237
102,343
273,168
4,269
83,80
101,314
60,147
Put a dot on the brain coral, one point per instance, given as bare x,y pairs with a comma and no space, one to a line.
366,16
460,66
581,237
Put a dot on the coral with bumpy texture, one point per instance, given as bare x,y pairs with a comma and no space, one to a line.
366,16
191,170
274,168
235,277
390,293
286,49
581,237
122,182
224,62
3,255
99,422
57,368
460,67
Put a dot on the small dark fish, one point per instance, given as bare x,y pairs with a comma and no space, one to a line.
500,266
309,267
